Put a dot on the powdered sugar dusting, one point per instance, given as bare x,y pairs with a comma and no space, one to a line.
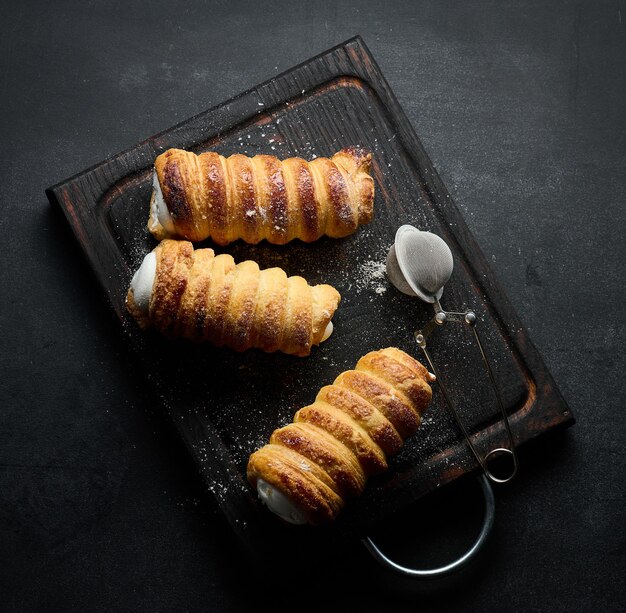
372,274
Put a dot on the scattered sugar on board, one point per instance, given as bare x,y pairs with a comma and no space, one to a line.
372,274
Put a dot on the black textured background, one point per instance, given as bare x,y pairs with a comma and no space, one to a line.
522,108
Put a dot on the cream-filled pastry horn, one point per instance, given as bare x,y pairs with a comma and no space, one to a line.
200,296
314,465
195,197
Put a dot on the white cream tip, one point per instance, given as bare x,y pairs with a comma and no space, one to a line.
159,213
328,331
280,504
143,280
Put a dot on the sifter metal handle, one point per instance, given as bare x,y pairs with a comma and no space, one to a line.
469,318
452,567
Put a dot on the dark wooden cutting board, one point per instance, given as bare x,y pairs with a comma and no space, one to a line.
224,404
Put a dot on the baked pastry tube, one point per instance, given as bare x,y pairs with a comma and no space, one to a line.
209,196
201,296
311,467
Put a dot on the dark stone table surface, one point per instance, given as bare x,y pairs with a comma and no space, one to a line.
522,108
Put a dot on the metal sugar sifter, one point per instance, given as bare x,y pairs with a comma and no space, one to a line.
420,264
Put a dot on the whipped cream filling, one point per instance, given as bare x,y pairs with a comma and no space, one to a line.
143,280
159,213
280,504
328,331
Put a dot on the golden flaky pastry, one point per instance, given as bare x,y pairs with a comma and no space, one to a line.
311,467
201,296
254,198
